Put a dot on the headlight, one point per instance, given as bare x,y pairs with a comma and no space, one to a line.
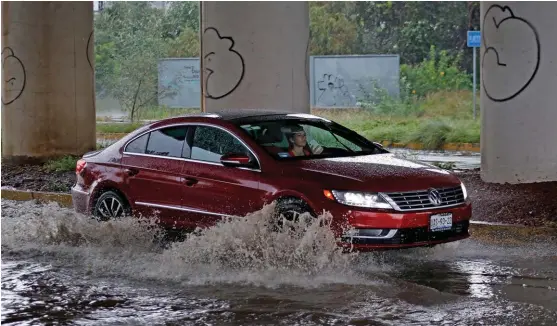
360,199
464,192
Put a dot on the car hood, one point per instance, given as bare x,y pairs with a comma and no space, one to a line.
378,172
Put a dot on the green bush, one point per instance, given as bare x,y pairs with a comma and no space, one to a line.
63,164
436,73
432,134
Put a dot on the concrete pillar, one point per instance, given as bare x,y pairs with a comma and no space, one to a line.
255,55
48,86
519,87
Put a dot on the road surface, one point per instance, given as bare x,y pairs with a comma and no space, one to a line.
60,267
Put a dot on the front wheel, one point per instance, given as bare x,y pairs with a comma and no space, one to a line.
110,205
290,211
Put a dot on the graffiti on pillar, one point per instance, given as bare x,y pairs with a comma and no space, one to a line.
224,65
334,92
89,50
13,72
512,50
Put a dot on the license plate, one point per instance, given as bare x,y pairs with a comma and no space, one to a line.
441,222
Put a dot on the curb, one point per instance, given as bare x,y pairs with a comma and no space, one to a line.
19,195
487,232
511,234
466,147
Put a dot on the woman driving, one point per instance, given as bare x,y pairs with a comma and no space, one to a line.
298,145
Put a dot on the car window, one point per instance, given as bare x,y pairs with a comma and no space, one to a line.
210,143
291,138
327,139
138,145
167,141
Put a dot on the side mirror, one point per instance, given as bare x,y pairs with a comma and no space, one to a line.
236,160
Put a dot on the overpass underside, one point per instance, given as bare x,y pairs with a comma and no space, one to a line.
255,55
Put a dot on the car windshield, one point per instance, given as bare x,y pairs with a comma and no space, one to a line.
290,138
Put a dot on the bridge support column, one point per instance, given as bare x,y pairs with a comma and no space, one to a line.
519,82
48,93
255,55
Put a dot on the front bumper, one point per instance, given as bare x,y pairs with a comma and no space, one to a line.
396,230
407,238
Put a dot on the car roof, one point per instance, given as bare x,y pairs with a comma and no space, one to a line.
240,116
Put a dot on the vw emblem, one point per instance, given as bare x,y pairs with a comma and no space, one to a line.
434,197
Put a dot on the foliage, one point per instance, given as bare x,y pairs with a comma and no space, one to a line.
186,45
438,71
111,128
182,16
331,31
130,39
410,28
133,49
63,164
442,117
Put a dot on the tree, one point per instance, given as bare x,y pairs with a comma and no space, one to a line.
410,28
182,16
186,45
128,45
331,31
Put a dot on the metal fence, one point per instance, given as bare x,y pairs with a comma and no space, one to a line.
336,81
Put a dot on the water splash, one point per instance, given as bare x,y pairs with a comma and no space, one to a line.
242,249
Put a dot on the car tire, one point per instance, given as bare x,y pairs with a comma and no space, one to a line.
290,209
111,205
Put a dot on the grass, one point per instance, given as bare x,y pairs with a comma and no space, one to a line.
441,117
109,128
63,164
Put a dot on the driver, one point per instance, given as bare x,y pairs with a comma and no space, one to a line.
298,145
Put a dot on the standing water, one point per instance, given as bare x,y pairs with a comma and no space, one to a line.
62,267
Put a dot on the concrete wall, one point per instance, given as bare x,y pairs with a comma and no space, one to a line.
346,80
179,83
255,55
336,81
519,85
48,90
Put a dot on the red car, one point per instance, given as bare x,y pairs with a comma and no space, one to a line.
192,171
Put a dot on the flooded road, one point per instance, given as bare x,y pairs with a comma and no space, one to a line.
62,268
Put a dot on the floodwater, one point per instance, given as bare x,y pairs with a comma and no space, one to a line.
59,267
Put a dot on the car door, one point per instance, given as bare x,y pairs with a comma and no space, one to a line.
152,164
218,190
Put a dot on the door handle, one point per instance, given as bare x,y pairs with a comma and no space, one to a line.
190,181
131,171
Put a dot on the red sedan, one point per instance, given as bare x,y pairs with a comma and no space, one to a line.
192,171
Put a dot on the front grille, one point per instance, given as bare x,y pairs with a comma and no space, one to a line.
419,200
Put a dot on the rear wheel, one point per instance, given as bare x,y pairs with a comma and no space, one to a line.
111,205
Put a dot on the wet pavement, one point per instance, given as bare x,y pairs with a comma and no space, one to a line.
458,159
62,268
